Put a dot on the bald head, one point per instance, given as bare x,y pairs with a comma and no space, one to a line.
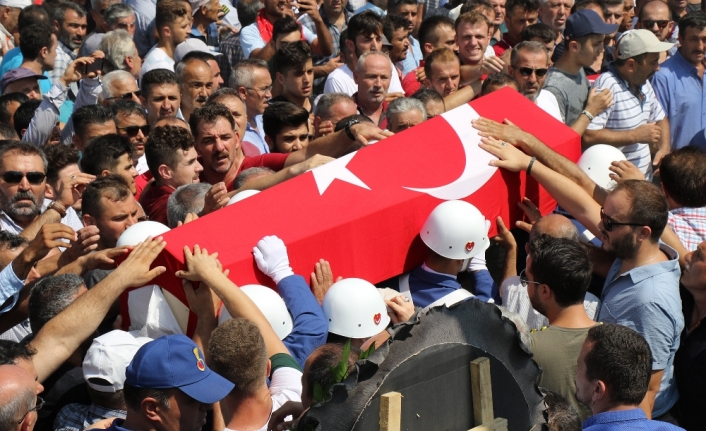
18,395
555,225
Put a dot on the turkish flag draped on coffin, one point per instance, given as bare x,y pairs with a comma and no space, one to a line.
363,212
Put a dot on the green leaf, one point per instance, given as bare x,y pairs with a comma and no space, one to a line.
367,353
318,393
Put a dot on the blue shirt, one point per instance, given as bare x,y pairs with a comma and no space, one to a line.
680,90
13,59
254,137
625,420
647,300
10,287
414,56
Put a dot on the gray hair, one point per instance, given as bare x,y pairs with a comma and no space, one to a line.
182,65
18,405
117,12
243,75
522,328
405,104
364,57
116,45
326,103
50,296
110,78
61,10
186,199
245,175
531,46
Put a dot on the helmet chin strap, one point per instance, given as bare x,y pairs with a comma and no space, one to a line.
465,264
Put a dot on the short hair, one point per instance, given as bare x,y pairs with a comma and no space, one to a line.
439,55
8,132
683,176
695,19
648,205
102,153
24,148
405,104
200,55
328,101
529,45
60,11
561,414
186,199
11,351
222,92
127,107
539,31
186,62
50,296
279,115
292,56
19,404
243,75
392,5
365,23
5,101
285,25
496,80
563,265
162,146
613,2
33,38
134,396
392,23
472,18
116,12
168,12
157,77
90,114
59,157
117,45
326,358
246,174
112,187
526,5
209,114
24,114
114,76
427,30
33,14
620,358
247,11
426,95
363,58
11,241
585,4
238,353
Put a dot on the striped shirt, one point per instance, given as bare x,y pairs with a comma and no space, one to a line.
628,113
690,225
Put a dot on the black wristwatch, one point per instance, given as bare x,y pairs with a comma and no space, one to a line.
349,124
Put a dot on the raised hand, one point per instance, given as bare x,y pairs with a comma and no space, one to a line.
135,270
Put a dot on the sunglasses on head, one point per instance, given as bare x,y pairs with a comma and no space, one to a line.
650,23
134,130
15,177
608,223
527,71
126,96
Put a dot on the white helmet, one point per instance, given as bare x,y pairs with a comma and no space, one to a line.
272,306
242,195
595,162
355,309
139,232
455,230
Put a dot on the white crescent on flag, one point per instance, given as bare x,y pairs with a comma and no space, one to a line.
477,171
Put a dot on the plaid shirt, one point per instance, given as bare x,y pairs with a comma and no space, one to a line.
690,225
232,54
64,56
77,417
307,22
210,38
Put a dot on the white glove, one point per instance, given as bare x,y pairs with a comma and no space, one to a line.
271,257
478,262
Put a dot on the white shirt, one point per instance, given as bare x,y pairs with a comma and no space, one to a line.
251,40
341,81
142,167
71,220
548,103
156,59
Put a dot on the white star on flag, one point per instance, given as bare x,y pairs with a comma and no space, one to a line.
325,174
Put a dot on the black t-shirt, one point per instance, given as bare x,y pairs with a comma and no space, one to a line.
690,370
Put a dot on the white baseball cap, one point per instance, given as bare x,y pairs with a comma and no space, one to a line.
190,45
18,4
108,357
636,42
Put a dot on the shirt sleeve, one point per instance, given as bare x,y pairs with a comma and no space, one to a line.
10,286
250,39
46,116
561,101
599,121
661,89
332,85
485,287
656,111
656,325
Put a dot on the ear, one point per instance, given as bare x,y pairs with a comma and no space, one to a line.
279,78
270,143
129,61
23,132
428,47
151,409
143,101
242,92
56,26
545,292
44,52
317,123
510,70
167,31
49,192
77,142
350,45
165,172
88,220
599,390
204,9
644,233
355,75
104,173
269,367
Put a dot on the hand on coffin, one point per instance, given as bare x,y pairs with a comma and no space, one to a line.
506,132
364,132
189,218
135,270
277,420
531,213
272,259
310,163
71,188
623,170
322,279
599,102
103,259
504,237
86,242
216,198
509,157
402,309
199,264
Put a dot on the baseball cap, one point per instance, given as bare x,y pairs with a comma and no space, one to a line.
635,42
190,45
108,357
18,4
174,361
585,22
195,5
15,75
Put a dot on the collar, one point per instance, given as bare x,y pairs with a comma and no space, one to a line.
327,23
612,68
616,416
96,410
360,110
196,33
442,280
7,33
67,50
684,65
427,269
689,211
644,272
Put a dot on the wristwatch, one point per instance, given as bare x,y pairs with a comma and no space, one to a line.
349,124
53,205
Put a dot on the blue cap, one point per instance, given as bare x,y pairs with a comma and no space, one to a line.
585,22
16,74
174,361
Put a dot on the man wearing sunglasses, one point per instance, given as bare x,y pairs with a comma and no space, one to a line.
529,64
656,17
119,85
131,121
18,398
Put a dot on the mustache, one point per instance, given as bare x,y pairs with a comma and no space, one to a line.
24,195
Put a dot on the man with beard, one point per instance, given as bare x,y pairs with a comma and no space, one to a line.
195,79
131,121
372,75
656,17
554,13
529,64
70,28
110,155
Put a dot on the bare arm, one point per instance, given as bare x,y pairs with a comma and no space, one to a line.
664,146
648,403
595,105
462,96
323,44
647,133
264,53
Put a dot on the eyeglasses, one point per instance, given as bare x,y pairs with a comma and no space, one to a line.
134,130
126,96
524,280
261,90
15,177
38,406
650,23
608,223
527,71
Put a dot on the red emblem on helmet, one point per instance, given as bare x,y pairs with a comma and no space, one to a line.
377,318
469,246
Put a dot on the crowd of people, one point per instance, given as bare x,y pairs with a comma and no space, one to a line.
114,114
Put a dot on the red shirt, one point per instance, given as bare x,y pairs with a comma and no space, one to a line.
141,182
383,117
410,85
501,47
274,161
154,201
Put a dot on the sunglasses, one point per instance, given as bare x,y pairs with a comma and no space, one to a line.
527,71
126,96
524,280
608,223
650,23
15,177
38,406
134,130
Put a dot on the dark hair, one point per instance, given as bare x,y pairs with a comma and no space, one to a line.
11,351
561,414
11,241
326,358
683,176
292,56
162,145
90,114
613,2
60,11
24,148
50,296
392,5
209,114
199,55
33,38
134,396
113,187
168,11
495,80
429,26
59,157
7,132
33,14
279,115
620,358
285,25
127,107
563,265
364,24
584,4
620,62
526,5
157,77
247,12
648,206
426,95
392,23
24,114
102,153
342,122
540,31
695,19
5,101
